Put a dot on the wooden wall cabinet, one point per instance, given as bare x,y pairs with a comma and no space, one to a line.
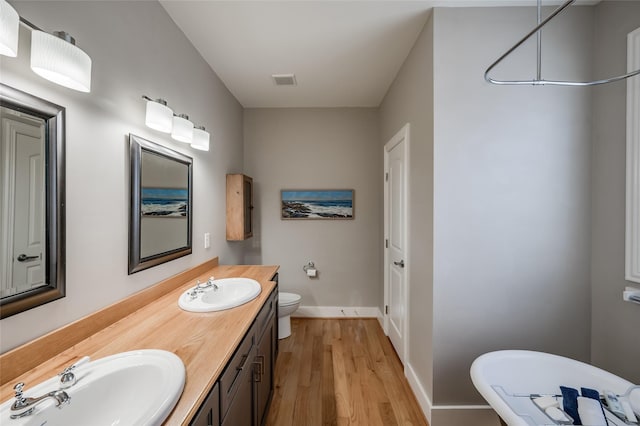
239,207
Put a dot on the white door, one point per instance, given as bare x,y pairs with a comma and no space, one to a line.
395,219
24,188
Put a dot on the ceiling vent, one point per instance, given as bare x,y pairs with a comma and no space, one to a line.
284,79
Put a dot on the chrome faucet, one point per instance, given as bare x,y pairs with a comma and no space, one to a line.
24,406
201,287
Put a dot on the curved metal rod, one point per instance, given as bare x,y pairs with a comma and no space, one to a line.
538,81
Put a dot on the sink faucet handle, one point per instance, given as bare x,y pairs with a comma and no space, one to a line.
67,378
212,283
81,361
20,399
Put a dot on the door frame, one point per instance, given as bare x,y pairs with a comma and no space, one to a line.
402,134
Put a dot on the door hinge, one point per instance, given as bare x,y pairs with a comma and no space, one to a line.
386,243
386,309
386,177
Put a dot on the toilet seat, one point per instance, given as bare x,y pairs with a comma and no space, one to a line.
288,299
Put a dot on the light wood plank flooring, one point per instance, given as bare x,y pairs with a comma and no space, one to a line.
340,372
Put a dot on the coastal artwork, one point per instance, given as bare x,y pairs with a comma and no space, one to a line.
314,204
164,202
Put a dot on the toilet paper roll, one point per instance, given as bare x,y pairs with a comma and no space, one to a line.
312,272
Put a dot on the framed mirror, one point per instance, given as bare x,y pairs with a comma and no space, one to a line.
32,201
161,204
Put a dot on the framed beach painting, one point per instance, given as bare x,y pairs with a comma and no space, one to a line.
317,204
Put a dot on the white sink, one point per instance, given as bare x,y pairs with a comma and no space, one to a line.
230,292
129,388
507,379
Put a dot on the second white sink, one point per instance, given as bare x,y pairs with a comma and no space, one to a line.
227,293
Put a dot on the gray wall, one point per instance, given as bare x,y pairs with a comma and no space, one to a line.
501,174
617,348
410,100
512,195
136,49
333,148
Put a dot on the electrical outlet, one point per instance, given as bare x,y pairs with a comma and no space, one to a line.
207,240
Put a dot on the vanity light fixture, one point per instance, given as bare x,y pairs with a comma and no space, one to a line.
182,130
200,139
159,116
9,29
53,56
57,58
162,118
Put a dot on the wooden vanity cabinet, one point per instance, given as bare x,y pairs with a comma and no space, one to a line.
242,394
239,207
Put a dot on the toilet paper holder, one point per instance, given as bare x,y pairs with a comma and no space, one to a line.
310,269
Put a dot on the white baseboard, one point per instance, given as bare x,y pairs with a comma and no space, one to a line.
461,407
420,393
337,312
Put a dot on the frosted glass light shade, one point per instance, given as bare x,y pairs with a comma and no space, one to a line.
9,29
200,139
159,116
60,61
182,128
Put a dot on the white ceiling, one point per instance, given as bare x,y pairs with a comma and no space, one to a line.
343,53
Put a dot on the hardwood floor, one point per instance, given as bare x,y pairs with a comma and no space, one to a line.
340,372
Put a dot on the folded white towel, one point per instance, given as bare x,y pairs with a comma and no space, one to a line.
590,412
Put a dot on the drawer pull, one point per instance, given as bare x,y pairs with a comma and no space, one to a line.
242,363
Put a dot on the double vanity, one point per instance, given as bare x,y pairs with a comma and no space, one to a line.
228,355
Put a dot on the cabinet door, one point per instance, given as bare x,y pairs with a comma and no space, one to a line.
209,413
263,375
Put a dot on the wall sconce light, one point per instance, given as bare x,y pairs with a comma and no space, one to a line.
159,116
54,57
182,128
9,29
200,139
57,58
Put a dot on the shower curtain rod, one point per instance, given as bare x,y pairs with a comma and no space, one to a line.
538,81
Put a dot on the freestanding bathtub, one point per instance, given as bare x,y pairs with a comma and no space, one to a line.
507,380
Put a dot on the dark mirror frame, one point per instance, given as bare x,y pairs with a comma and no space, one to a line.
54,118
137,146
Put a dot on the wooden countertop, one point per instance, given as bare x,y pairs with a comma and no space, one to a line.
204,341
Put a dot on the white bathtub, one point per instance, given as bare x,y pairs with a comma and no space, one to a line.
507,379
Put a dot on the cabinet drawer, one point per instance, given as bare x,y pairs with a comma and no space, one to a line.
237,368
264,317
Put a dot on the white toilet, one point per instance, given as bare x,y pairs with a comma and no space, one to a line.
287,304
